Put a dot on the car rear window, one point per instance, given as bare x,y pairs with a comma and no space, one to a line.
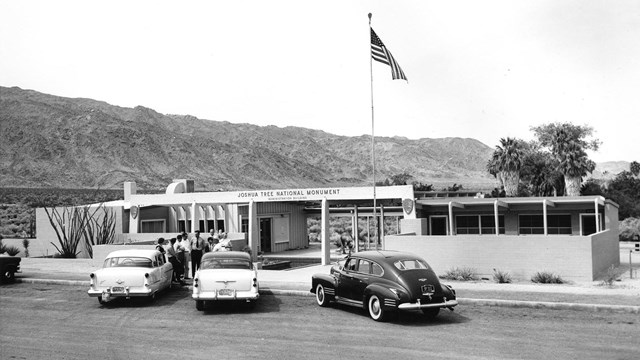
128,262
226,264
410,264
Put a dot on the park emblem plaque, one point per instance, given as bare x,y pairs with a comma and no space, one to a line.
407,205
134,211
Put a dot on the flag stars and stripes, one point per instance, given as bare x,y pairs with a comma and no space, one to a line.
380,53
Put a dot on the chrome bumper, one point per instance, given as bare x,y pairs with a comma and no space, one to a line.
418,305
126,293
237,295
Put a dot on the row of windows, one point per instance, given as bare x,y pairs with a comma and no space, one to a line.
527,224
158,226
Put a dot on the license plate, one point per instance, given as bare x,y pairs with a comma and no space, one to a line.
225,292
427,289
117,289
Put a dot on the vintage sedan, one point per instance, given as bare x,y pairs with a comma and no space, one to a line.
225,276
383,282
9,266
131,273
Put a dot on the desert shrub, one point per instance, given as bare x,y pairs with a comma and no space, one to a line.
461,274
12,250
545,277
630,229
501,277
611,276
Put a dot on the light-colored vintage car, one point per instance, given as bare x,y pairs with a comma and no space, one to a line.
225,276
131,273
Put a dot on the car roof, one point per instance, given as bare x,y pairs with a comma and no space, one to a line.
386,255
148,253
227,255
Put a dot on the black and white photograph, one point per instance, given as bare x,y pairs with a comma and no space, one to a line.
292,179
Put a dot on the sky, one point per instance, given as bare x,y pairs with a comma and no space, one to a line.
476,69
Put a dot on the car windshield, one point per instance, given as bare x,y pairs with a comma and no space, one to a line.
410,264
230,263
127,261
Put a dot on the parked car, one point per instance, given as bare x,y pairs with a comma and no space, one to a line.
131,273
383,282
9,265
225,276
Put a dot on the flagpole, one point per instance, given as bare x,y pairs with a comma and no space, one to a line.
373,152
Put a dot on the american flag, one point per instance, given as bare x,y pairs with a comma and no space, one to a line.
380,53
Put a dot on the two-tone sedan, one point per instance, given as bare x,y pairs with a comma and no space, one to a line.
131,273
383,282
225,276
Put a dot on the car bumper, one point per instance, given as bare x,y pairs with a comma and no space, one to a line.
237,295
417,305
127,292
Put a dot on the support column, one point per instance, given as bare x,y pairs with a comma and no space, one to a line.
215,217
544,216
381,228
450,219
226,218
254,230
354,229
194,217
598,228
324,234
496,218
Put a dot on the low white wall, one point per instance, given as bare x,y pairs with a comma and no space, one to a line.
571,257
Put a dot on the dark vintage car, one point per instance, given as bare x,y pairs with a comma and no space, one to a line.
9,266
383,282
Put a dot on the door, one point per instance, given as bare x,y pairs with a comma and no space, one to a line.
438,225
265,235
348,280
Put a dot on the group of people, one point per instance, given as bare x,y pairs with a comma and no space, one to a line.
183,249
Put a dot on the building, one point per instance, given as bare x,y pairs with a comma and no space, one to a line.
575,237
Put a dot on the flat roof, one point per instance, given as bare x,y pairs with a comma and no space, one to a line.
506,201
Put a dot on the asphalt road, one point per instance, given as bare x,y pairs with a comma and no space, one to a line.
62,322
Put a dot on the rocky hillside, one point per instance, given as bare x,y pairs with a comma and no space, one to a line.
51,141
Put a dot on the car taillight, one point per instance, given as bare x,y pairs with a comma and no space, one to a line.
92,275
255,282
195,282
146,275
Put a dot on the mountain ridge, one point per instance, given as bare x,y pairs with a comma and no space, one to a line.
52,141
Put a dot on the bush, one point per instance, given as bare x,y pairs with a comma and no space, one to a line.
501,277
461,274
546,277
611,276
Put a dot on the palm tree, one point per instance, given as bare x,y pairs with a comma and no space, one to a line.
506,162
567,144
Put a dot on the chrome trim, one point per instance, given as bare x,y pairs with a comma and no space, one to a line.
348,301
418,305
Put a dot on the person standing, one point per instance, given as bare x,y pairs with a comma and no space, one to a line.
197,247
160,247
180,252
186,244
173,259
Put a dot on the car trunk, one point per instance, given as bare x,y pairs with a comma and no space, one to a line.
423,284
131,277
240,280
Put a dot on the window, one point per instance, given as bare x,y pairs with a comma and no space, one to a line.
376,269
351,264
588,224
410,264
364,266
152,226
534,224
478,224
244,226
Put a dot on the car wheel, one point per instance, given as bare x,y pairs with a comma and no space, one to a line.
321,296
431,312
152,297
8,276
100,300
199,305
376,311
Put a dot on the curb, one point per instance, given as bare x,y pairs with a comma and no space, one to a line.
462,301
551,305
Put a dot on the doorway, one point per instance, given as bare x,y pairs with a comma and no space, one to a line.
265,235
438,225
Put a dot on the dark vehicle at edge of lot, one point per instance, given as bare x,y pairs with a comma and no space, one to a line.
382,283
9,266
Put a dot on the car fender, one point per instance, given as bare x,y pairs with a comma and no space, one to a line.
324,279
382,291
448,291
